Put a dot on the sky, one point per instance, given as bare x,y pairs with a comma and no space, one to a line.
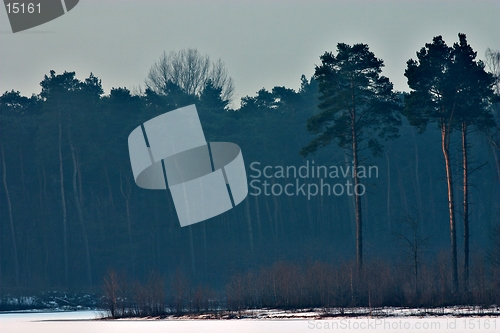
262,43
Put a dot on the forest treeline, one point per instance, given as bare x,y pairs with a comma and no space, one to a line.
71,213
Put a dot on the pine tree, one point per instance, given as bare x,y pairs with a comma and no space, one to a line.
357,107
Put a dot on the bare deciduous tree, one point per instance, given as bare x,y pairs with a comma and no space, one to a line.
112,291
493,64
414,244
190,71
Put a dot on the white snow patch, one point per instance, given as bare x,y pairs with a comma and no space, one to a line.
88,321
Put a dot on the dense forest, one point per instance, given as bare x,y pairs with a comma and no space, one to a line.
73,219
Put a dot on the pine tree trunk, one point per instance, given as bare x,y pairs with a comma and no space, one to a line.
389,224
417,180
496,155
270,218
191,248
359,224
309,218
352,206
126,196
275,212
205,249
466,207
42,197
402,190
110,191
11,220
23,181
445,145
259,225
63,203
249,222
80,214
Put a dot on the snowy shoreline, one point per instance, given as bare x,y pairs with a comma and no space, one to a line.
281,314
333,313
451,319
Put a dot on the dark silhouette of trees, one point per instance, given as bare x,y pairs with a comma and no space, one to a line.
70,209
14,126
451,89
65,99
474,91
211,97
53,93
357,108
431,100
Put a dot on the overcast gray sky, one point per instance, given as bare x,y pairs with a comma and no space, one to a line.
263,43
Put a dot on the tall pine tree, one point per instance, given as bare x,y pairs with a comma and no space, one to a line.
357,107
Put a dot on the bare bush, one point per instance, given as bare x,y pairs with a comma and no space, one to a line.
287,285
180,292
114,293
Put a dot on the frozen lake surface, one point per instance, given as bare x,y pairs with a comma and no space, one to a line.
84,322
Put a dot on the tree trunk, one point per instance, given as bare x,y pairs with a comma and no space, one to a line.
42,197
80,213
270,218
466,207
445,145
63,203
259,225
309,218
275,212
205,249
126,196
417,180
11,220
415,263
249,222
352,206
389,224
191,248
359,224
402,190
110,191
21,165
496,155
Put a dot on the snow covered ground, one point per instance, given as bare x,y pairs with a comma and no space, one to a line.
84,322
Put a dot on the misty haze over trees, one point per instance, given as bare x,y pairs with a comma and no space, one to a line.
425,232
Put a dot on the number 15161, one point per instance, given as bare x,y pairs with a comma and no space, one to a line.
21,8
